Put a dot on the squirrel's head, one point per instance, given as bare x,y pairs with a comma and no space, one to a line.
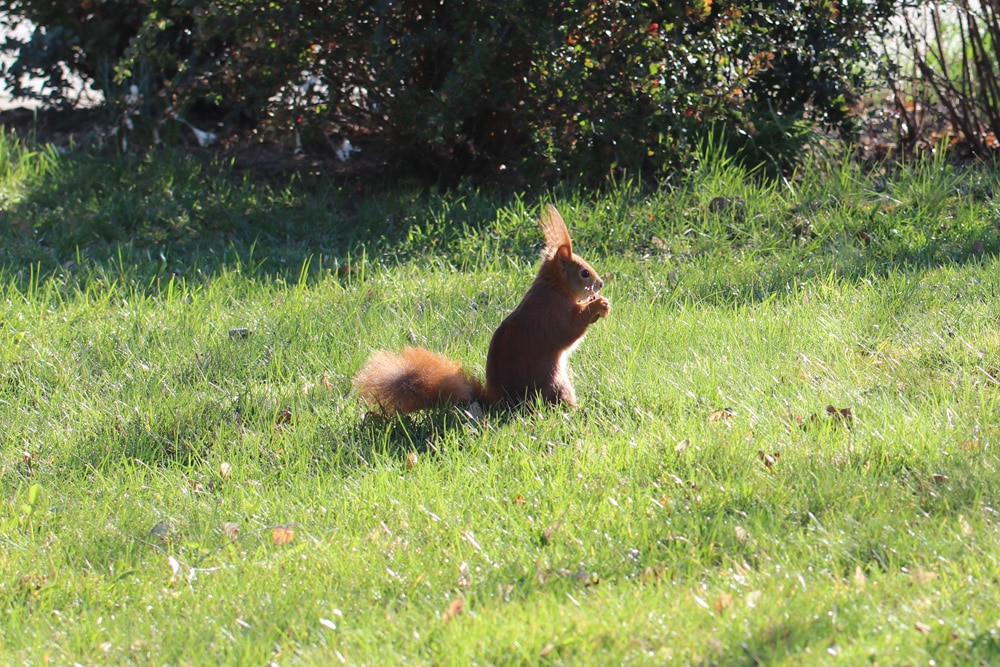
578,277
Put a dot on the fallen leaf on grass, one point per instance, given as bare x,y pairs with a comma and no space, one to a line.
327,623
548,648
225,469
230,530
841,415
768,459
860,579
724,414
722,603
284,417
411,460
836,417
549,532
455,607
972,445
922,628
282,535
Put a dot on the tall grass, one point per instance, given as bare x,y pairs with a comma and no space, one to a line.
188,478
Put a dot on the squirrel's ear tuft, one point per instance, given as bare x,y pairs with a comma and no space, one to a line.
563,252
555,231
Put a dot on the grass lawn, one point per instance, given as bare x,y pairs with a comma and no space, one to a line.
785,452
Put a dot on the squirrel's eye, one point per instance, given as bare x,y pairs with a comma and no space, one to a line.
584,273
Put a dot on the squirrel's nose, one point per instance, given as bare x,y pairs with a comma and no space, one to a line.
598,284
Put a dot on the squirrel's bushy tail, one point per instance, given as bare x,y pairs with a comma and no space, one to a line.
414,380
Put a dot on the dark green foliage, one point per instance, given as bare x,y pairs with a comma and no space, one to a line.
568,88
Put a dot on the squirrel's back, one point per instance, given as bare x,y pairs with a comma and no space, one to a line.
414,380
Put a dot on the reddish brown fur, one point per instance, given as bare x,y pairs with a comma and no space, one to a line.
415,380
528,351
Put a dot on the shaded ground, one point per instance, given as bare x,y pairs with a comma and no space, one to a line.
264,158
888,134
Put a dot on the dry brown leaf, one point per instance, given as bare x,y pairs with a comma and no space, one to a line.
922,628
837,417
282,535
548,648
768,459
860,579
455,607
550,531
972,445
411,460
231,530
724,414
843,416
324,380
225,470
722,603
519,500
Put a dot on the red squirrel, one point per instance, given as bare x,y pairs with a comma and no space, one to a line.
528,352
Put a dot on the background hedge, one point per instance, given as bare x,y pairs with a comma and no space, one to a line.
546,90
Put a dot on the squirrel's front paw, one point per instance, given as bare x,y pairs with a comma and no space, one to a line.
598,307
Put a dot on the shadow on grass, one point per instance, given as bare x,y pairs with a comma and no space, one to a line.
401,437
136,220
172,213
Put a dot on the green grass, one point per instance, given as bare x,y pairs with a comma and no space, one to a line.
138,432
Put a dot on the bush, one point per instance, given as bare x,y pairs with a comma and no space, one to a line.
566,88
952,92
80,37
